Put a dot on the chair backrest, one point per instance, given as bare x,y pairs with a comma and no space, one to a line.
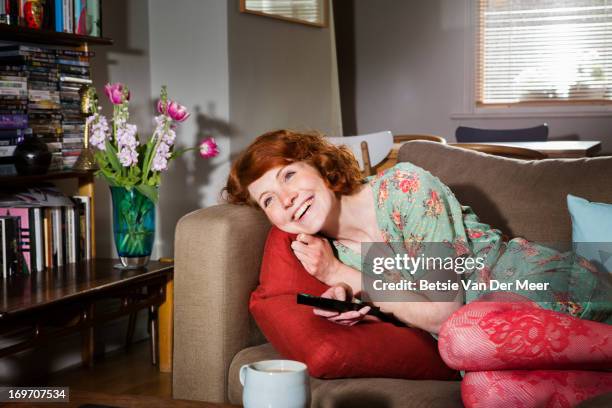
504,151
409,138
465,134
379,145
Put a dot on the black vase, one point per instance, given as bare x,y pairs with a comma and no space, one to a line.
32,157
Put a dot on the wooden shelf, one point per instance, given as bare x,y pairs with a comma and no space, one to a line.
30,35
54,175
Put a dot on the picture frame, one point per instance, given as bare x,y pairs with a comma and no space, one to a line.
309,12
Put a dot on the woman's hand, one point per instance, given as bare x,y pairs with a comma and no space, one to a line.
315,253
341,292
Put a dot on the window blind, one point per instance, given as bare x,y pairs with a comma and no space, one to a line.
543,51
308,10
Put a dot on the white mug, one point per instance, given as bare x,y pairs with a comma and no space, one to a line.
275,384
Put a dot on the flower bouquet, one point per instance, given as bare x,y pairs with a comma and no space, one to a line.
133,167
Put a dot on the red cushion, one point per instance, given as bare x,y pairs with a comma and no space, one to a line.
368,349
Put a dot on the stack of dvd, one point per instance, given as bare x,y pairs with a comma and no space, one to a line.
13,110
74,74
40,92
38,65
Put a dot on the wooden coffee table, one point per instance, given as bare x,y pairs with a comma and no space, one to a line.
79,398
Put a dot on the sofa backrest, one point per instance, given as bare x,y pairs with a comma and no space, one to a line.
521,198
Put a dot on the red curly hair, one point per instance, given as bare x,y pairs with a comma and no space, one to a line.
336,164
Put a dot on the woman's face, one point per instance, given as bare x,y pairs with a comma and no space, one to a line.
294,197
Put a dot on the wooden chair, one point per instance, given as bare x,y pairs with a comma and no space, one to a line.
398,140
369,150
465,134
408,138
505,151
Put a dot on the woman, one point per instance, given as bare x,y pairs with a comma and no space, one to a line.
311,188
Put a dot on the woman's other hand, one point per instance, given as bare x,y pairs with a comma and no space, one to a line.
316,254
341,292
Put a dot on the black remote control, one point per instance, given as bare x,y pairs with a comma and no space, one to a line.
344,306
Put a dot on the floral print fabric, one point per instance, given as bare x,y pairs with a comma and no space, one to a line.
413,207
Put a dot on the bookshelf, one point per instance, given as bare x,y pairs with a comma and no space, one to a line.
85,181
31,36
160,295
69,291
53,175
19,34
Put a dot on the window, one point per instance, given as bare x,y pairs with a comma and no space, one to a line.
544,51
311,12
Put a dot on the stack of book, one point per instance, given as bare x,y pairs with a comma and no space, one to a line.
41,96
41,228
67,16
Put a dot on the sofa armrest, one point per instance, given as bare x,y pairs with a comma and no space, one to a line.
218,253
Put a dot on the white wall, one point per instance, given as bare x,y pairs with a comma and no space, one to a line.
412,61
282,75
189,54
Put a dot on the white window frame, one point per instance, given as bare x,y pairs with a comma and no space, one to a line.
470,65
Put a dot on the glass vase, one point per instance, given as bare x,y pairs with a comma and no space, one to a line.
133,226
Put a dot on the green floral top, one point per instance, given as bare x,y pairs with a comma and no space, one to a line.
413,207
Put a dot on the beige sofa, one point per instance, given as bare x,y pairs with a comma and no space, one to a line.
218,253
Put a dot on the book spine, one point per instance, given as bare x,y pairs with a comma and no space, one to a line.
39,239
86,225
80,17
71,16
13,121
13,10
7,151
79,212
10,133
4,19
4,248
22,217
12,253
11,141
20,4
13,92
47,229
17,83
66,15
69,235
59,15
57,241
93,18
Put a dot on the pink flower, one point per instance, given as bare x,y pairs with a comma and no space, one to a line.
115,93
160,107
177,112
208,148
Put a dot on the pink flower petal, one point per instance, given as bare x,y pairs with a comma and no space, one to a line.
209,148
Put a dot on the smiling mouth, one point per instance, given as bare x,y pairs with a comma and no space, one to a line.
303,209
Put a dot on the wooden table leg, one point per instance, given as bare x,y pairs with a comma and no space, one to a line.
165,316
87,338
154,330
